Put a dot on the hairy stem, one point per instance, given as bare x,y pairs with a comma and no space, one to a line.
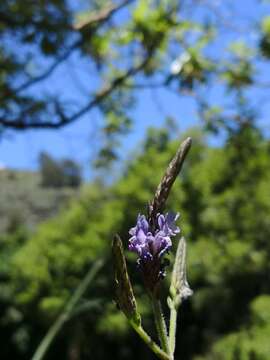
160,325
172,330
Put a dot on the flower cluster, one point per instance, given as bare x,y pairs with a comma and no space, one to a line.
148,245
152,245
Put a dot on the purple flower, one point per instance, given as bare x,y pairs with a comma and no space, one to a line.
167,223
145,243
152,245
140,236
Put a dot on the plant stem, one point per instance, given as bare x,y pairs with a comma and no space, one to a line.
172,330
160,325
149,342
51,334
67,312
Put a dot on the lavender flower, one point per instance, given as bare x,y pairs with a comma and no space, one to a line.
152,245
167,223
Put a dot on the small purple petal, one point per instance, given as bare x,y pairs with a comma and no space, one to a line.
171,218
161,221
141,236
142,223
167,224
162,243
132,231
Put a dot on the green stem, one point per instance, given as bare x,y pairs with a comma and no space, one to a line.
172,330
67,313
149,342
160,325
47,340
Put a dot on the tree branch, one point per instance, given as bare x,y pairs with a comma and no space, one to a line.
20,124
47,72
97,18
102,15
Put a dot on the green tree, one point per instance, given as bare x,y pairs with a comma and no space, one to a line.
59,173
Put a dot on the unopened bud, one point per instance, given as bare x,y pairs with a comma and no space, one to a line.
124,293
179,288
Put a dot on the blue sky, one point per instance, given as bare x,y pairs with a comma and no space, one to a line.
80,140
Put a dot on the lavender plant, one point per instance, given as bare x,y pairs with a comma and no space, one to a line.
151,240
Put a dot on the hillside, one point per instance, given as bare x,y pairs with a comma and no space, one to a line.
24,201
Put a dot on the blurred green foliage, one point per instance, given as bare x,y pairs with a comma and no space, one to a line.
224,199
